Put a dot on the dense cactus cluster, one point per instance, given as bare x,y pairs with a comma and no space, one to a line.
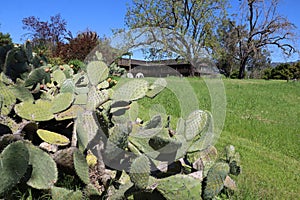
59,120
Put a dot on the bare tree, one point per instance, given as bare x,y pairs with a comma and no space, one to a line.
261,26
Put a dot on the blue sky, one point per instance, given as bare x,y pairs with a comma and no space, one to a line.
97,15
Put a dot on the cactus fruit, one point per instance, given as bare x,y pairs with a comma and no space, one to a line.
215,179
156,87
140,172
131,90
8,99
180,187
13,165
40,110
91,159
53,138
61,102
44,171
97,71
81,166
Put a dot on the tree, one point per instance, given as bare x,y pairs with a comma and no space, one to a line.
261,26
184,28
45,34
78,47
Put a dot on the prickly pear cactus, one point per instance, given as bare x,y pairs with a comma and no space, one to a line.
180,187
8,99
215,179
140,172
13,165
39,110
81,166
44,171
53,138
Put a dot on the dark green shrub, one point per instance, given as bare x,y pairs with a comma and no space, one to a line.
77,65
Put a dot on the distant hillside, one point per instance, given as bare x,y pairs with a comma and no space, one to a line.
274,64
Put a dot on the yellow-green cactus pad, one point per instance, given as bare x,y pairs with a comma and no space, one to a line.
40,110
53,138
61,102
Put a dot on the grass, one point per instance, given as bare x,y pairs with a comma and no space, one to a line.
262,122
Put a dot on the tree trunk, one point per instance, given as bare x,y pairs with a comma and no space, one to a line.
242,68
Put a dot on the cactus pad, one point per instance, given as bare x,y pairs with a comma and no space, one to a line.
59,77
8,99
180,187
97,71
13,165
61,102
156,87
194,124
67,86
81,166
87,128
58,193
96,98
38,111
71,113
22,93
44,171
64,157
53,138
38,75
131,90
140,172
215,179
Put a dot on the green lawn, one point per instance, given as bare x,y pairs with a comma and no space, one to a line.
262,122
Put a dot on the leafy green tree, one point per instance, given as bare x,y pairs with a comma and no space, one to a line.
5,45
185,28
